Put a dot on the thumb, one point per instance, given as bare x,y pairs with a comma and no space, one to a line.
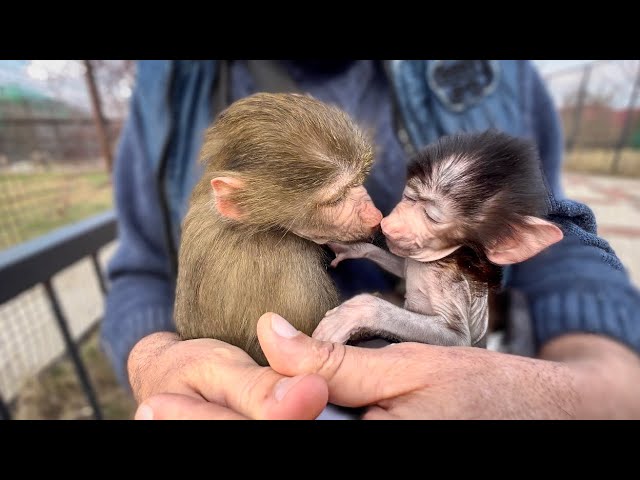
356,376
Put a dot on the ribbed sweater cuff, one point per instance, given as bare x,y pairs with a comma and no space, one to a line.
118,339
605,311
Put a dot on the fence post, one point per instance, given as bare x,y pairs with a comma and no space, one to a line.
72,350
577,113
99,273
97,113
627,123
5,414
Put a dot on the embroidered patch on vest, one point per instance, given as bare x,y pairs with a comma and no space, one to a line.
461,84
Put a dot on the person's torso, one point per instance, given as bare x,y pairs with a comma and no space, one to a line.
404,104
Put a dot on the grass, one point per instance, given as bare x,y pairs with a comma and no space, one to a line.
32,204
601,161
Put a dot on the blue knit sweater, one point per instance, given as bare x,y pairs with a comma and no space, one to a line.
576,285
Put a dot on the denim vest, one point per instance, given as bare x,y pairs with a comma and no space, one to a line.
432,98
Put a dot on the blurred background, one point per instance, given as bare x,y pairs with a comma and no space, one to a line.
59,127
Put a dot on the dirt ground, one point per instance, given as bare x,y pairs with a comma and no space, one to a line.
57,394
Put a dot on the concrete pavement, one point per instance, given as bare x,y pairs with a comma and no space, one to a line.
615,202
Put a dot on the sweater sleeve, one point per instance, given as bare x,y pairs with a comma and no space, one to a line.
140,298
578,284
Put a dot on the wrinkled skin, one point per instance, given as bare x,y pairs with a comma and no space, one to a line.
577,376
418,230
352,217
442,306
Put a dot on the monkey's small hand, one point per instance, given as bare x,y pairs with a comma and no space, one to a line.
361,313
345,251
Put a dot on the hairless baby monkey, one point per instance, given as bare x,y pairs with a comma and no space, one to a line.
472,203
283,174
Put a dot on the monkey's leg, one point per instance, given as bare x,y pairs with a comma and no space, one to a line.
368,316
385,260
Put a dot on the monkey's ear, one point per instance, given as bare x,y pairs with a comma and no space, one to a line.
223,189
530,239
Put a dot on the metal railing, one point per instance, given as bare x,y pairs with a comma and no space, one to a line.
37,261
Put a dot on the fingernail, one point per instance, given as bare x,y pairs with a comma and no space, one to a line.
284,385
282,327
144,413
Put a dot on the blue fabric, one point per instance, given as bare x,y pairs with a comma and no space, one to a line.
576,285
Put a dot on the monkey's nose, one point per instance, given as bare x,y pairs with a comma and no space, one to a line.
390,229
371,217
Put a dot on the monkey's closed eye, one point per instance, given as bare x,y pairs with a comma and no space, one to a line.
335,202
429,217
406,197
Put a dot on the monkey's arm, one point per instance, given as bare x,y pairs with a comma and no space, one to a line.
367,316
385,260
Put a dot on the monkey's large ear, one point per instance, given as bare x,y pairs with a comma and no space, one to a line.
530,239
223,189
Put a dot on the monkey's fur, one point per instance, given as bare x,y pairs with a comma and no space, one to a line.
288,150
474,202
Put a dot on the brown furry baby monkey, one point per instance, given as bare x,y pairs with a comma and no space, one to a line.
283,174
472,203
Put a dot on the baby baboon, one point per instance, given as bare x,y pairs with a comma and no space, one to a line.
283,174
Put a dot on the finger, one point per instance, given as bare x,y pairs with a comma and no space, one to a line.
356,376
258,392
335,262
170,406
223,374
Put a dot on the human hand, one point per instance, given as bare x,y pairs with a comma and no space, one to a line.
418,381
587,376
209,379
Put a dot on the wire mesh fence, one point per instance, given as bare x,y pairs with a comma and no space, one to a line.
53,172
37,200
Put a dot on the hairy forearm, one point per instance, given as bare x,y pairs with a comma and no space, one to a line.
606,373
136,306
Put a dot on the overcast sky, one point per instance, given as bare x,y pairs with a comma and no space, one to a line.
64,79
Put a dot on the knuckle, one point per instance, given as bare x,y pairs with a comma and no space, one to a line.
186,365
166,365
143,365
326,358
255,390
